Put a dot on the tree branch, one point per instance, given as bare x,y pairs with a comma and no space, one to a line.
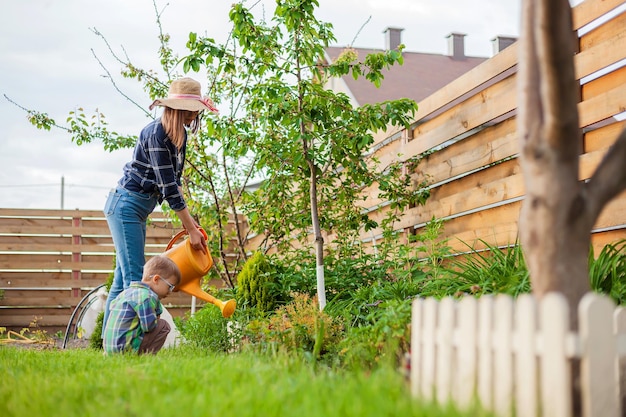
117,88
609,179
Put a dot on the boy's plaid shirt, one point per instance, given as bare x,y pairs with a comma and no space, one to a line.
133,313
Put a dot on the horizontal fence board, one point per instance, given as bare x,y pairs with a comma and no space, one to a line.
56,265
39,213
155,217
601,239
486,147
12,274
450,199
58,247
601,55
589,162
42,283
603,33
45,222
23,259
590,10
603,137
614,213
478,110
477,76
491,145
607,82
57,319
602,106
156,232
55,298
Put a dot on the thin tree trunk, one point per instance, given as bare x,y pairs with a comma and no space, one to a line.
319,240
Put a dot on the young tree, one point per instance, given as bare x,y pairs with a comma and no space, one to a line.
559,211
308,141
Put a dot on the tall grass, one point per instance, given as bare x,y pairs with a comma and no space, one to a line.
607,271
190,382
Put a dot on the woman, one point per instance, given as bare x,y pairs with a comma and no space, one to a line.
154,175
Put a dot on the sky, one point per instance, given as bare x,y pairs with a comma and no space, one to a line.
51,61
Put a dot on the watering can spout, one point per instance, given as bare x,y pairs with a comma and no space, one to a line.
194,265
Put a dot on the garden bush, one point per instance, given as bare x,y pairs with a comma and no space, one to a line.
255,287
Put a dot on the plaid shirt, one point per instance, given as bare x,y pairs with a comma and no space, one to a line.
157,166
133,313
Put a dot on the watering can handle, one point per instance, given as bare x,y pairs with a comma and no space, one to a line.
183,233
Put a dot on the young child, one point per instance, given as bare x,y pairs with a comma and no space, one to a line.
134,323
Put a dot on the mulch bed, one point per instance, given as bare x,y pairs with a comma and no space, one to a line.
49,344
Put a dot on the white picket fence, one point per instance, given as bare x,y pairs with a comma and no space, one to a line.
513,356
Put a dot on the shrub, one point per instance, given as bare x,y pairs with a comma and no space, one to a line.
95,340
255,287
296,327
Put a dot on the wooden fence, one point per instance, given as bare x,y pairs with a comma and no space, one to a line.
514,357
50,259
469,127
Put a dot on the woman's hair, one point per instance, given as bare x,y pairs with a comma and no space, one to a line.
162,265
173,121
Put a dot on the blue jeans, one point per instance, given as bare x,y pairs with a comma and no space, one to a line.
127,213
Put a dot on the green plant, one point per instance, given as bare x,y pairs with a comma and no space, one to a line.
254,284
297,327
207,329
492,270
607,271
95,340
383,340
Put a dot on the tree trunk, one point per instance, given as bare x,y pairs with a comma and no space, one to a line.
319,240
558,211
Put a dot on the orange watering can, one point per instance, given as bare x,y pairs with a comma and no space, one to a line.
194,265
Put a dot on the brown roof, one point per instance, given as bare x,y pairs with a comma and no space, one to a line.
421,75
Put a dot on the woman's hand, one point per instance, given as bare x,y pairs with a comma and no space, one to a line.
197,240
196,237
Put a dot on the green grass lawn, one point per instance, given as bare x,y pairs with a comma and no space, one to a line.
188,382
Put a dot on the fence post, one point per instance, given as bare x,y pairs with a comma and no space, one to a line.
416,346
555,382
619,320
429,348
503,356
599,380
466,352
485,360
445,362
76,256
525,341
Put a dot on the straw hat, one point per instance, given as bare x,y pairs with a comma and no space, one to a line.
184,94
